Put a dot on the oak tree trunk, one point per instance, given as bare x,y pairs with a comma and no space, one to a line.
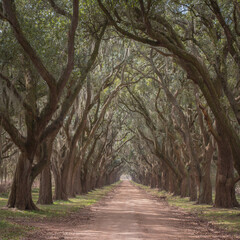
20,195
45,191
77,183
44,156
59,193
192,186
84,182
185,187
205,185
225,191
165,177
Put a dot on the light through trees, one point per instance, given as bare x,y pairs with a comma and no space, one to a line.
96,91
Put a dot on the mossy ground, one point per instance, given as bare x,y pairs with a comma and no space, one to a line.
227,219
10,230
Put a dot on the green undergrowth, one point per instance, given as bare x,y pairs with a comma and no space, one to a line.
227,219
9,218
11,230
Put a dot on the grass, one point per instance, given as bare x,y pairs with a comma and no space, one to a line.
14,231
227,219
11,230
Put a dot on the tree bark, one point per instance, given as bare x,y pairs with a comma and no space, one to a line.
153,179
165,178
225,189
85,183
185,187
69,180
21,196
59,193
77,183
192,186
44,156
45,191
205,185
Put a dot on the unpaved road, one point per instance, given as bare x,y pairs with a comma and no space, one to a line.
129,213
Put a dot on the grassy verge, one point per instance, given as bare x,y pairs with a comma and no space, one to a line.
227,219
10,230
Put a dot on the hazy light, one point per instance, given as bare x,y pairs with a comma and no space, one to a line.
125,177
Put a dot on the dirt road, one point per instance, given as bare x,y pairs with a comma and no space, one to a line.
129,213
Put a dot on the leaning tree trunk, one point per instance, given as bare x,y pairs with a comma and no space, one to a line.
21,196
225,189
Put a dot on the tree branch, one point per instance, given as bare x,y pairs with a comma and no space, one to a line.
12,88
9,7
59,10
13,132
124,32
71,36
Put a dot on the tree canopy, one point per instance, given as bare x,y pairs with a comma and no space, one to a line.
91,90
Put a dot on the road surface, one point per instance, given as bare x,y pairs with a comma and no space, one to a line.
130,213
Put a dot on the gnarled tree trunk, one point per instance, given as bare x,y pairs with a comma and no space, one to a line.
21,196
225,191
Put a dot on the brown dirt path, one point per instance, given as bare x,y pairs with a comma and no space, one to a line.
129,213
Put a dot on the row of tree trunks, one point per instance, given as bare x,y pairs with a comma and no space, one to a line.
166,180
82,184
212,88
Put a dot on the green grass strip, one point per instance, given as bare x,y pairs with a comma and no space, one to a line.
227,219
9,230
